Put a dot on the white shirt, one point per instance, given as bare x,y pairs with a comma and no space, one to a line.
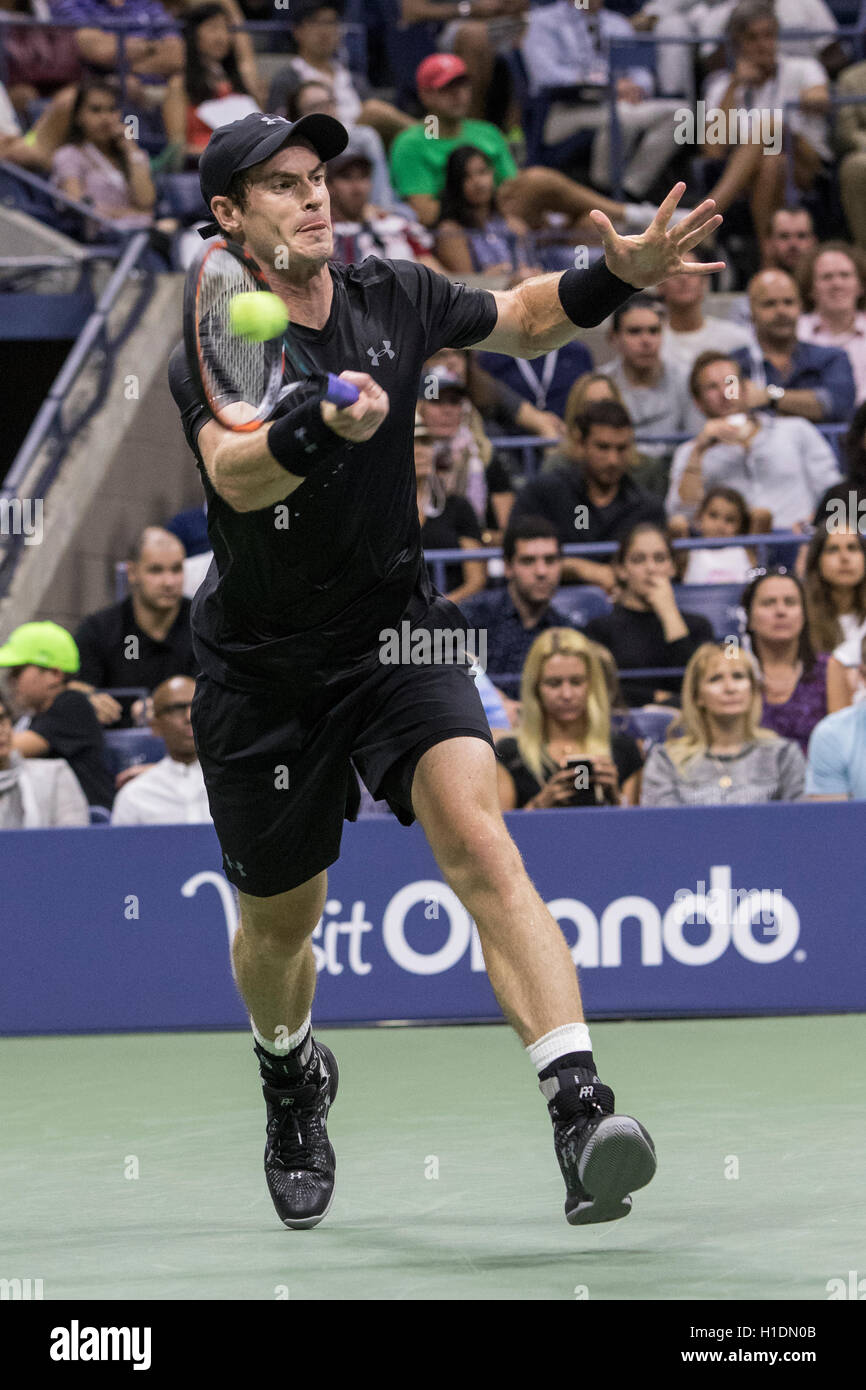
345,94
709,20
728,564
786,467
793,76
195,567
717,334
169,793
809,330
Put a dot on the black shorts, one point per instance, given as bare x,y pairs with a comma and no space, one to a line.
280,784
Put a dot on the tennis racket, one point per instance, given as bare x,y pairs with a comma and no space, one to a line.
241,381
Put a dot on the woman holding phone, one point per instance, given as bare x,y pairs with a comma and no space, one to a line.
565,752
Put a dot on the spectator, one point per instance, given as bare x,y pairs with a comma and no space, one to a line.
61,722
419,156
645,628
837,753
220,82
766,82
722,512
35,149
786,375
687,331
447,520
833,286
190,527
36,792
317,98
500,408
473,237
102,164
464,451
851,145
844,502
566,45
780,465
543,381
588,388
793,677
565,714
514,616
145,638
835,585
172,791
317,35
481,35
361,230
38,60
790,239
153,48
655,392
594,499
714,753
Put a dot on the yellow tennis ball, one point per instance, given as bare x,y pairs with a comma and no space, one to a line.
258,316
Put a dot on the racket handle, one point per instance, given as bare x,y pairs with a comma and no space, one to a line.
340,393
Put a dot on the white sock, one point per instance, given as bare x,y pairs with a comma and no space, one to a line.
571,1037
285,1045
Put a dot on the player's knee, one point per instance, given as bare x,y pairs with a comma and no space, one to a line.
480,858
287,918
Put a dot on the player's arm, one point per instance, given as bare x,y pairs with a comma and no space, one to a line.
249,476
541,313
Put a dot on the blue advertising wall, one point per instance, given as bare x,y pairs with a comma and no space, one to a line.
668,912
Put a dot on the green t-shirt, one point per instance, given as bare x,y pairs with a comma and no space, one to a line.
418,162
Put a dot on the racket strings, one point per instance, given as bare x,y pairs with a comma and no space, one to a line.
233,368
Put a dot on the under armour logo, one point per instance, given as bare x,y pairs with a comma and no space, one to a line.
237,866
384,351
273,120
586,1091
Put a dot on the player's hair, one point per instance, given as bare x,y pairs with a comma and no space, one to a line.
90,84
706,359
736,499
198,80
824,627
637,301
453,206
747,13
690,734
805,273
610,413
531,733
528,528
805,650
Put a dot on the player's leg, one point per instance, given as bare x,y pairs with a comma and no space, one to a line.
272,957
603,1157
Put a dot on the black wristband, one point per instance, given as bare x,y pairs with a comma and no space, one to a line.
299,439
588,297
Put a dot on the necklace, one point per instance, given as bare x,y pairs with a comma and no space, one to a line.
725,781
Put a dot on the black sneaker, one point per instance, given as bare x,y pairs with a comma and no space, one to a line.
299,1159
602,1156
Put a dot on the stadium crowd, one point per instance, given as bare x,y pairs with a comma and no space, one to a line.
704,418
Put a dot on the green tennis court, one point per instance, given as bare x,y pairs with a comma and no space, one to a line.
447,1184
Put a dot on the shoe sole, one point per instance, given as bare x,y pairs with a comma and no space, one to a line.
308,1222
619,1158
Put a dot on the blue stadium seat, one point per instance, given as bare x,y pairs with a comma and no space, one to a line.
649,725
180,197
99,815
126,747
581,602
718,602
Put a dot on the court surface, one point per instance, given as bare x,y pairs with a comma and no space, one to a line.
780,1102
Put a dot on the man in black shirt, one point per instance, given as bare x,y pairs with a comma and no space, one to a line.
594,500
316,540
41,657
144,639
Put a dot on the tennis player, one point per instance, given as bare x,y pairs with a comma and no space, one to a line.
314,527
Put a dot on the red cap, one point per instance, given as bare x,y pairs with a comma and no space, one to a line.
438,70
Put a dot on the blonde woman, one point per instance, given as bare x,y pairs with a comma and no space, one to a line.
716,753
565,714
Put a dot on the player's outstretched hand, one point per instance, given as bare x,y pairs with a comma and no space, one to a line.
358,422
658,252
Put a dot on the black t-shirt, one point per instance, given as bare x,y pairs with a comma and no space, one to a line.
102,641
623,750
443,532
637,639
557,494
308,585
73,732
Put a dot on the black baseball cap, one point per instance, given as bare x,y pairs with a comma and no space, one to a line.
252,140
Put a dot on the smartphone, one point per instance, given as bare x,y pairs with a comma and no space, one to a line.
585,792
